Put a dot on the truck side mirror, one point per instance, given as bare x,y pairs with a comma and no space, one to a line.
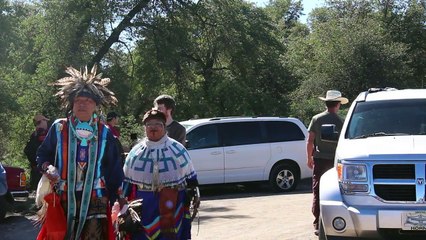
329,133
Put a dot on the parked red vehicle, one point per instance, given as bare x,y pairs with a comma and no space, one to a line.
12,187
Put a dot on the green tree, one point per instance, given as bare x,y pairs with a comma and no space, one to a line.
349,50
406,21
217,58
43,38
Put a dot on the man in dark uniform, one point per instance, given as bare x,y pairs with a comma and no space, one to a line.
321,153
30,150
112,122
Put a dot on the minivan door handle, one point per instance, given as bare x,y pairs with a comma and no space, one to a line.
230,151
216,153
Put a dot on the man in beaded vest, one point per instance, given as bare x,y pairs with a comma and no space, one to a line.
84,152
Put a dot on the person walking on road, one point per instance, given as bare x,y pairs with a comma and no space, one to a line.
321,153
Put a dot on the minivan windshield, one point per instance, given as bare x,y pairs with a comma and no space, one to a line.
388,118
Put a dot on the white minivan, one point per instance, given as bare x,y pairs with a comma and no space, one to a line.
248,149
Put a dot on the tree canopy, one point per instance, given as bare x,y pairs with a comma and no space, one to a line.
216,57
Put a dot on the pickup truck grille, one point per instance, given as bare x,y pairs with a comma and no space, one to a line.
395,182
394,171
396,192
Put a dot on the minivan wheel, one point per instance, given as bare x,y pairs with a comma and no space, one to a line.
283,178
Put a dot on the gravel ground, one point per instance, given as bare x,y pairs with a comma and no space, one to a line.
227,212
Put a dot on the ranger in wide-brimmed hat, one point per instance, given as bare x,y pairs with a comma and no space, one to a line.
321,153
334,96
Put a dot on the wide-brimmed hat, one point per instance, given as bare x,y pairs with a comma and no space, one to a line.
154,114
334,96
38,120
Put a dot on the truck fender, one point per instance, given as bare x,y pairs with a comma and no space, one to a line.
332,205
329,187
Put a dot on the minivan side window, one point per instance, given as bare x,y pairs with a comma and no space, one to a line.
241,133
283,131
203,137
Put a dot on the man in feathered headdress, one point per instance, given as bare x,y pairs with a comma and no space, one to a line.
88,162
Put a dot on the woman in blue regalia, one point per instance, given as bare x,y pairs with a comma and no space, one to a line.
159,171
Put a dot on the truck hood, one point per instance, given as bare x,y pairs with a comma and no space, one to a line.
373,147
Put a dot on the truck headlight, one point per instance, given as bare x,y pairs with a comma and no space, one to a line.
353,177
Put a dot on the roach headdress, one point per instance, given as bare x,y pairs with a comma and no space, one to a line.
84,84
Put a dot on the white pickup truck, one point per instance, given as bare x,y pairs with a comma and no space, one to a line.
377,187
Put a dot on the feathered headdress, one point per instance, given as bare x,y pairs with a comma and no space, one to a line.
86,84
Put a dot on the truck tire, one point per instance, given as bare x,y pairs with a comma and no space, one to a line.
321,235
3,208
284,177
6,205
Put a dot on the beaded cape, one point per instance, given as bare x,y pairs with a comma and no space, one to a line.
163,163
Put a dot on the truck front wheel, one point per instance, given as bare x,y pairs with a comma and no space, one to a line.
321,235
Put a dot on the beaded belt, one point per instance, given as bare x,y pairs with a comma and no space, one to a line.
150,188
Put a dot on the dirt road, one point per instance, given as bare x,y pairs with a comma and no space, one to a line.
257,215
231,212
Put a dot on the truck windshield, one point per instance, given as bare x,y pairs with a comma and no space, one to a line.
388,118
